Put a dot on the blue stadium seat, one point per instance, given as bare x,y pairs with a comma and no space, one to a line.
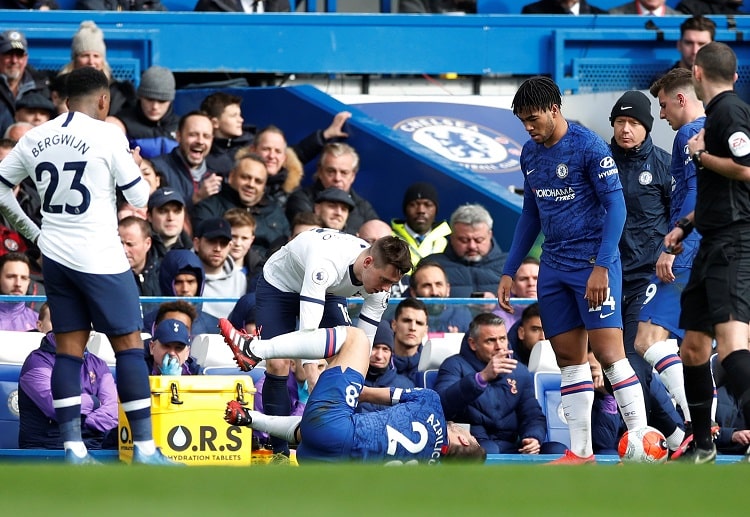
9,374
427,378
255,374
547,391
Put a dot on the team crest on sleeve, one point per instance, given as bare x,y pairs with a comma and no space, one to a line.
739,144
320,276
562,171
645,178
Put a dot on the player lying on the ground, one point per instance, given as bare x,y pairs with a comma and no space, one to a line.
413,430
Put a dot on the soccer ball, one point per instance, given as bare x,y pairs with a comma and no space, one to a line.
643,445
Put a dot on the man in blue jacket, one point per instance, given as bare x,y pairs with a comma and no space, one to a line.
484,386
647,185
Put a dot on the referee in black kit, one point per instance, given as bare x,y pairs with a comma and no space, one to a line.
716,301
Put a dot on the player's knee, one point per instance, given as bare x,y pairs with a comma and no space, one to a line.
277,366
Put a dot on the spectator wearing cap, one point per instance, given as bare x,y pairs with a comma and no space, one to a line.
135,235
223,279
338,167
15,278
88,49
166,214
333,206
170,349
152,124
382,372
644,171
181,274
245,188
34,108
17,77
418,228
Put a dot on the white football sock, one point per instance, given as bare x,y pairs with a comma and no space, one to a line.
662,355
278,426
147,447
628,393
674,440
577,398
301,344
78,448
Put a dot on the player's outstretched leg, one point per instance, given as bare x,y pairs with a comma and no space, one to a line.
301,344
280,426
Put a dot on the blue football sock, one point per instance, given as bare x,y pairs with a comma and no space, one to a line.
135,392
276,402
66,395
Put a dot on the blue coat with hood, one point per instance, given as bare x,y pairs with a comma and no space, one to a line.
174,263
647,186
500,414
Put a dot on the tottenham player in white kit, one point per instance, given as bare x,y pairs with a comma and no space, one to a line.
76,162
309,278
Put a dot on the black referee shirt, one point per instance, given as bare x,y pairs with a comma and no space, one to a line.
722,202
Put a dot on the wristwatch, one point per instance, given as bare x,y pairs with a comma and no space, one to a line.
697,158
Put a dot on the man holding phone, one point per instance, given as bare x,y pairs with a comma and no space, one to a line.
484,386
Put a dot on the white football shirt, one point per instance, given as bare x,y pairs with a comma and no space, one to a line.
319,262
75,162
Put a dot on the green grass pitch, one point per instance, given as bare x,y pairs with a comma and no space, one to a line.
534,489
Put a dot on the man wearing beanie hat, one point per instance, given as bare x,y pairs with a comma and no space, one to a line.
381,371
419,228
88,49
151,123
644,171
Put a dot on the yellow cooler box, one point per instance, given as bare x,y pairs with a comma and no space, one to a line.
188,420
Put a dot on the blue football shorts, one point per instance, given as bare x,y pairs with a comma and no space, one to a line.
277,311
79,300
563,307
661,305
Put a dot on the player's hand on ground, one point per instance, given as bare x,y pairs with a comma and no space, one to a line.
503,293
530,446
597,287
236,414
664,267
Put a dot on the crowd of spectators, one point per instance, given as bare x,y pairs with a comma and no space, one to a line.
225,196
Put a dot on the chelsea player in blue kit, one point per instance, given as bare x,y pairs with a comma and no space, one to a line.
660,312
572,193
412,430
